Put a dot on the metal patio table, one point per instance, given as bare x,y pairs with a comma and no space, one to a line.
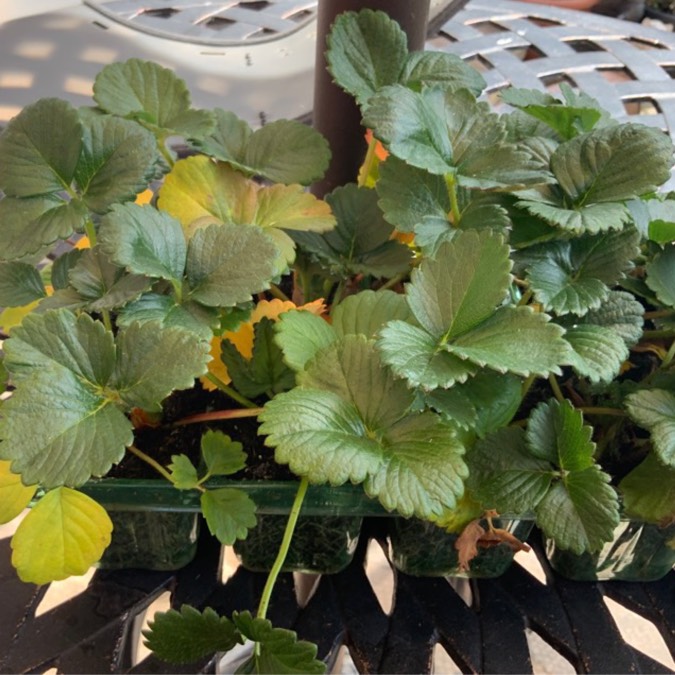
629,68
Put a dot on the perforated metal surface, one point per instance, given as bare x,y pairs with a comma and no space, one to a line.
211,22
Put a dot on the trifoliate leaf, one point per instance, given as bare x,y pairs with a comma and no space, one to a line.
229,514
228,264
641,496
14,495
660,275
164,310
284,151
300,335
598,351
359,64
58,431
414,354
141,376
613,164
101,285
221,454
280,653
20,284
145,240
556,433
580,511
152,94
118,160
504,476
349,420
575,276
361,242
62,536
40,149
367,312
655,411
183,473
189,635
449,132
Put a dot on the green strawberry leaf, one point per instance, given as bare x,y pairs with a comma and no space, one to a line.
641,500
655,411
361,242
660,276
301,335
367,312
63,535
586,218
228,264
118,160
612,164
164,310
100,284
284,151
221,454
141,376
359,64
61,268
660,216
580,511
189,635
449,132
349,420
504,475
280,653
144,240
229,514
414,354
575,276
152,94
20,284
40,149
556,433
621,313
183,473
598,351
427,68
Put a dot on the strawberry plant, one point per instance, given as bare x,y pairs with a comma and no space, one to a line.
481,323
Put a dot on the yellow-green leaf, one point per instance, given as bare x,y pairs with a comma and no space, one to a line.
64,534
14,495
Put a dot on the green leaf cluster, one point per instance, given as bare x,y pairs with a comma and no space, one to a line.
189,635
548,469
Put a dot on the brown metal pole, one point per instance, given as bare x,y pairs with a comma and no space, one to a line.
336,115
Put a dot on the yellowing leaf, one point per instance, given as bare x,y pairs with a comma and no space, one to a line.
242,338
14,495
145,197
13,316
64,534
83,243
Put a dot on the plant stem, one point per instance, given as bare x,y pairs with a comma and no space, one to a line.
455,214
166,153
591,410
105,315
525,297
90,230
283,550
653,334
217,415
659,314
393,281
669,356
152,462
276,292
526,386
556,388
229,391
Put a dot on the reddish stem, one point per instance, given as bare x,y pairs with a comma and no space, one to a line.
218,415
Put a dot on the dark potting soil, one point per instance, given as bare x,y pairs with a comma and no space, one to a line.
167,439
